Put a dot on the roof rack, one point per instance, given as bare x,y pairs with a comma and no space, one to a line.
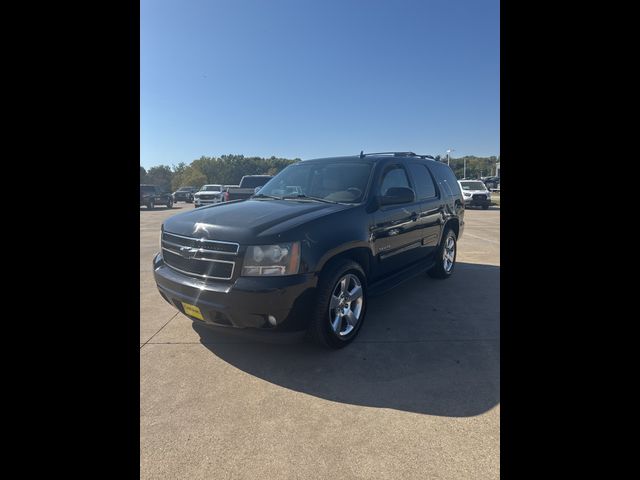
396,154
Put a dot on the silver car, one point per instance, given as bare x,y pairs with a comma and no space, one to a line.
476,194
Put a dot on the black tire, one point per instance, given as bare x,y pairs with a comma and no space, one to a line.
319,329
485,207
439,270
169,203
151,205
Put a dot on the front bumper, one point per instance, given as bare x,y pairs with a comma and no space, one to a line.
198,202
475,202
242,303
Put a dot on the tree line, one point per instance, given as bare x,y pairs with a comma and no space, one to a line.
476,166
224,170
229,169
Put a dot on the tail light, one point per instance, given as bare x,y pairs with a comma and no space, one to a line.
225,196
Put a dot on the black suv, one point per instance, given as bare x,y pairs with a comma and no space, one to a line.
184,194
307,251
150,195
491,182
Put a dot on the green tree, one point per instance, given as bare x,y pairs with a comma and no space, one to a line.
178,172
476,166
160,176
192,177
143,175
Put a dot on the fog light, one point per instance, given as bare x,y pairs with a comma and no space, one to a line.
272,320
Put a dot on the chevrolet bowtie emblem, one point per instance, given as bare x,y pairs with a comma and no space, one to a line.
201,227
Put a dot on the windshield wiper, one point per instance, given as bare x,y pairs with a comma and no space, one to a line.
262,195
302,195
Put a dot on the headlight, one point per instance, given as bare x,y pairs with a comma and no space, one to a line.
280,259
467,194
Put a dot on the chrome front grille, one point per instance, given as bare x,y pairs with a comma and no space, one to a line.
199,257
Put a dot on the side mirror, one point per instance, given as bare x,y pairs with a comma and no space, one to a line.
256,190
398,195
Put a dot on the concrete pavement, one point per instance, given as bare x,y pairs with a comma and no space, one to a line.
415,396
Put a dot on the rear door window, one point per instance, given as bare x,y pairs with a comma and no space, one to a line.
425,187
446,178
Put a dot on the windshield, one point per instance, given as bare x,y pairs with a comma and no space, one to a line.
335,181
253,182
210,188
473,186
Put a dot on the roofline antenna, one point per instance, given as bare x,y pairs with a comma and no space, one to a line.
361,153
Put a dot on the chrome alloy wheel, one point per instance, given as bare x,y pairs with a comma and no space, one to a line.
449,254
345,308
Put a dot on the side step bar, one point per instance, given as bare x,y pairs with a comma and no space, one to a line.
392,281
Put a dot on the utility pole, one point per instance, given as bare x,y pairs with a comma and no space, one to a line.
464,174
448,152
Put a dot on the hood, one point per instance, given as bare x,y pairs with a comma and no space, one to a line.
249,221
473,192
207,193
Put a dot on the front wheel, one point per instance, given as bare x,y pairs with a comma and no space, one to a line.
169,203
445,256
151,205
341,305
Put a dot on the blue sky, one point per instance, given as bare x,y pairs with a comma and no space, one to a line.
302,78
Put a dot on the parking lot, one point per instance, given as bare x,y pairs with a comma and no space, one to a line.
417,395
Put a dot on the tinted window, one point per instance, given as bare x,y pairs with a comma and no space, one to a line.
422,179
253,182
446,177
452,181
394,178
148,189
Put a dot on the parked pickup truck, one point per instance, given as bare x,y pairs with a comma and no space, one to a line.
306,251
208,195
150,195
247,187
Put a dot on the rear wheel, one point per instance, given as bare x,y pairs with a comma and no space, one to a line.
341,305
445,256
